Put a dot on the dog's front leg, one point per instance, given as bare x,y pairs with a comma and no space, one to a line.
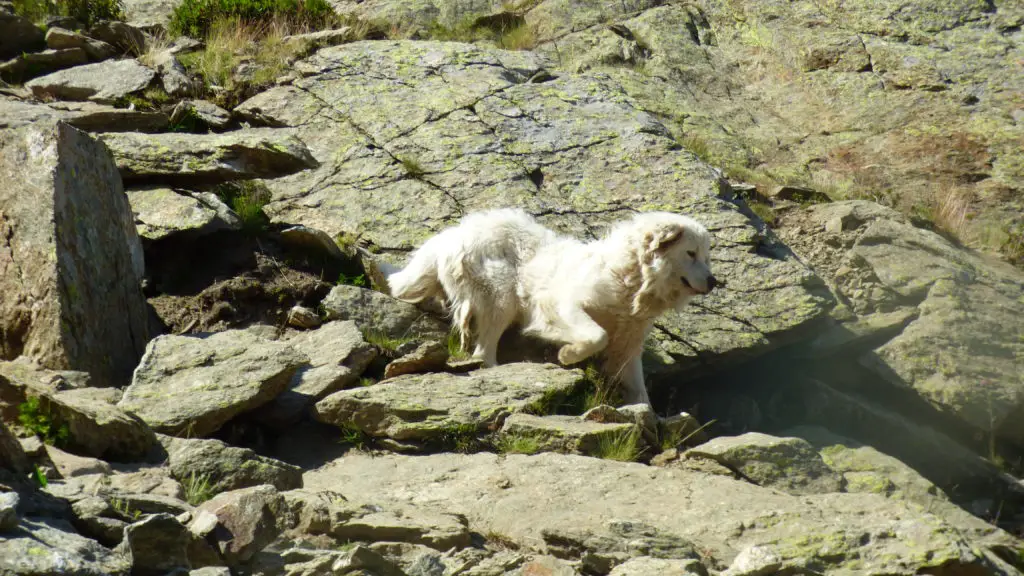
585,336
633,389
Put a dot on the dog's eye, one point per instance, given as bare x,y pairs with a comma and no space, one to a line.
692,254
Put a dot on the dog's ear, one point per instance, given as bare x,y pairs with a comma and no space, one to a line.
664,237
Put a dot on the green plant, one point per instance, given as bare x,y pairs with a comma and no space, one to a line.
1012,244
517,444
354,436
366,381
151,99
520,37
622,447
455,350
39,477
675,438
359,280
385,343
38,420
123,508
763,211
196,17
198,488
461,438
88,12
413,168
247,199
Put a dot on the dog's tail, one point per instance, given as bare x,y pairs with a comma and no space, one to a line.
418,281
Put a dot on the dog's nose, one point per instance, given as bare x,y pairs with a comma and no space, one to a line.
712,282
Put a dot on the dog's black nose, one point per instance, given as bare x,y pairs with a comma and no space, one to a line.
712,282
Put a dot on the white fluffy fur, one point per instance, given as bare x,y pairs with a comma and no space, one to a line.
501,267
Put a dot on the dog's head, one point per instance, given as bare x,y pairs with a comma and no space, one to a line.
677,249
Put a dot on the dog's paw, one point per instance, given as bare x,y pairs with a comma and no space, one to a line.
570,354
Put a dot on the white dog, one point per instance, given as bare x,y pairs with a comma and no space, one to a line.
501,267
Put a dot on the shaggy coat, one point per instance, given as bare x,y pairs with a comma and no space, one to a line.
501,267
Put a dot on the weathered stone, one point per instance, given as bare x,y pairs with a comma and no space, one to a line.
103,82
373,311
205,112
156,545
320,39
8,511
173,76
74,262
18,35
226,467
188,385
181,158
398,409
337,354
658,509
60,39
568,433
149,13
121,35
789,464
93,117
246,521
51,547
12,456
34,64
162,212
428,356
302,317
95,518
69,465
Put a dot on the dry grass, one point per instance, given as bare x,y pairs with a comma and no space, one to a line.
952,212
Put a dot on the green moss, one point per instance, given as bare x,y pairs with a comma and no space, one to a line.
518,444
461,438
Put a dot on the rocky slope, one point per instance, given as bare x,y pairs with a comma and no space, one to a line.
197,375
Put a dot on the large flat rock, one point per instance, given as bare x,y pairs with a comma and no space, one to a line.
103,82
410,136
573,504
71,262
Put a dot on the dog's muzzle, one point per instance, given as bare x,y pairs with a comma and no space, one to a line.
711,281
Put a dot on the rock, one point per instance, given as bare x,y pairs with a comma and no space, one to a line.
103,82
457,404
173,75
568,433
337,354
12,456
645,565
578,168
656,509
156,545
124,37
72,298
958,345
312,239
789,464
246,521
188,385
51,547
8,511
162,212
680,427
211,571
149,13
34,64
96,518
428,356
380,313
205,113
302,317
206,158
798,194
60,39
226,467
19,35
306,43
69,465
93,117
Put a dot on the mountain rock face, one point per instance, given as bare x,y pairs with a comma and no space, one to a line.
202,371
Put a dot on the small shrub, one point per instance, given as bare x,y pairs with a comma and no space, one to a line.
521,37
1013,243
517,444
196,18
413,168
37,420
197,489
622,447
88,12
354,436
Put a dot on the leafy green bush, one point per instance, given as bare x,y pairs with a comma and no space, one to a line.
196,17
38,420
88,12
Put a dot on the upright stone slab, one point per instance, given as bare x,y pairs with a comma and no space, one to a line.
70,259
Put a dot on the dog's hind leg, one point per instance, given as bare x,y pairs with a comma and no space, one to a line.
632,377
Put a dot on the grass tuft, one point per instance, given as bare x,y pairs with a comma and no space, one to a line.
518,444
387,345
764,211
247,199
354,436
455,350
197,488
622,447
413,168
358,280
124,509
461,438
87,12
197,18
